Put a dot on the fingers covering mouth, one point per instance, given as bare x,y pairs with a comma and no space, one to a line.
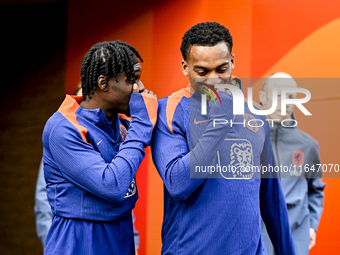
212,89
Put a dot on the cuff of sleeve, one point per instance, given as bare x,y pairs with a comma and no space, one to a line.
314,224
132,145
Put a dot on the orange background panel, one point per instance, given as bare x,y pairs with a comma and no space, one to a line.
315,56
298,37
278,26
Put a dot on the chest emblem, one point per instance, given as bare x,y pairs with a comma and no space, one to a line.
241,160
298,158
123,132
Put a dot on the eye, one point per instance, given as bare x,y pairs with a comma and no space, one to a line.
222,70
201,73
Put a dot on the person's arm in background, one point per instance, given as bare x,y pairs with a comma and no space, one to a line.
273,204
135,233
42,209
315,195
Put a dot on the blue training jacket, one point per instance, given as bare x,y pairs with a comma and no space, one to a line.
209,212
89,166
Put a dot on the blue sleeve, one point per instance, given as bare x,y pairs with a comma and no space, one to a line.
171,153
315,190
42,209
273,204
74,157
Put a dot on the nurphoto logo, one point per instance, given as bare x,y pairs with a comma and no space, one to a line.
238,102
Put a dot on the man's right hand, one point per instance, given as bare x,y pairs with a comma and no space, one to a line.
146,91
224,111
135,89
143,110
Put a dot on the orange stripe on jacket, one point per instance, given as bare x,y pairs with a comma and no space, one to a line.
124,117
68,109
173,101
151,106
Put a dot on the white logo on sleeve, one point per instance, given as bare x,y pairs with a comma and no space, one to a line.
132,189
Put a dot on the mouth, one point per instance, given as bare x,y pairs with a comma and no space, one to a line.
207,86
211,88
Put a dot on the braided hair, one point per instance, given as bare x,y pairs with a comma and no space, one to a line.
108,59
205,34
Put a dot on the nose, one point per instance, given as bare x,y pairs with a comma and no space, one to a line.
213,79
140,86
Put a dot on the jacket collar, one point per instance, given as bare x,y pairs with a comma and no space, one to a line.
95,116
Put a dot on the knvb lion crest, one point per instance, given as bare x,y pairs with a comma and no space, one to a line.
241,155
250,119
298,158
123,132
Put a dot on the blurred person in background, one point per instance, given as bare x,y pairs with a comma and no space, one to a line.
293,147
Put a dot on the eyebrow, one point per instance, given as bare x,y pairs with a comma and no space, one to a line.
225,63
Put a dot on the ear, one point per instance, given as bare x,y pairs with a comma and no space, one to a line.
232,61
185,68
262,96
101,83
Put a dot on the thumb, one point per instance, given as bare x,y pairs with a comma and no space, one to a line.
135,88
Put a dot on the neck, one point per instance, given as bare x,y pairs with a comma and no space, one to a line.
110,116
93,103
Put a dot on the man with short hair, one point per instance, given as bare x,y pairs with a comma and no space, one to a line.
91,154
294,148
216,212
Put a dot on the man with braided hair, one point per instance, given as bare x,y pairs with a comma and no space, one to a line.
215,212
91,152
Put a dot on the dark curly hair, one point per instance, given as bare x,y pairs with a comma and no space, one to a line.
108,59
205,34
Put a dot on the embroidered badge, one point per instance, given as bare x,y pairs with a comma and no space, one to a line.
298,158
241,160
123,132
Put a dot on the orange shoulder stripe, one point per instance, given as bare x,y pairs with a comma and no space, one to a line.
124,117
68,109
173,101
255,104
151,105
258,105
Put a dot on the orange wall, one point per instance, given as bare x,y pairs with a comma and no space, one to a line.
297,37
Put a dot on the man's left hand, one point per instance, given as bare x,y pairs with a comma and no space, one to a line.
312,238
